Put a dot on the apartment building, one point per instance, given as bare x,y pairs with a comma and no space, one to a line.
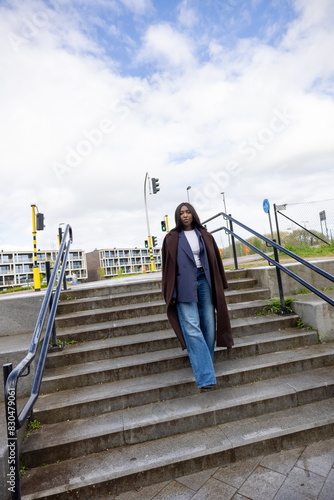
16,267
113,262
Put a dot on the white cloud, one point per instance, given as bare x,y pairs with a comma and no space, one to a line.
165,46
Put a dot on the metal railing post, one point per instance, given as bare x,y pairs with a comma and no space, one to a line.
277,228
13,476
60,239
48,276
233,246
7,368
279,281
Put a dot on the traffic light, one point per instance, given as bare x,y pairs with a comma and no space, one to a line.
155,185
40,222
146,244
154,241
163,226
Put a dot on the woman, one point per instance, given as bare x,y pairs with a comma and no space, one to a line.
193,282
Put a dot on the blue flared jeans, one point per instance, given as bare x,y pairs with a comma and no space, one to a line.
197,321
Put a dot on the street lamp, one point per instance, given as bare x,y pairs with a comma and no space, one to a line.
189,187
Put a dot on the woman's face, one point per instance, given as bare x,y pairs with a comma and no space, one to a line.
186,218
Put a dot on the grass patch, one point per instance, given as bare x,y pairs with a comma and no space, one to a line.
275,306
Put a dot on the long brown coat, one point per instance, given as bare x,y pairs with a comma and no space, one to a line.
218,281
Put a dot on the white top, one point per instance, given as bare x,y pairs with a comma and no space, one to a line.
194,245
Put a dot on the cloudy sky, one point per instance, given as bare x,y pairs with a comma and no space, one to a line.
232,96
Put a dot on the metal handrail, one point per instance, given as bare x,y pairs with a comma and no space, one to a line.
11,376
275,261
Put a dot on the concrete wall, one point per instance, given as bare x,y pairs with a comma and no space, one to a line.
19,312
266,277
315,312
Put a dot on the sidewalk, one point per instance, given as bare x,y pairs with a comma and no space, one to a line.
304,473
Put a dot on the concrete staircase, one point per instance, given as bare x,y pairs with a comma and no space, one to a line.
120,408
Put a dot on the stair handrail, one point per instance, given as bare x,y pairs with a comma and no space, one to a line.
275,261
11,376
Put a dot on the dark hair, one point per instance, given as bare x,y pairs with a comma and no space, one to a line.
178,224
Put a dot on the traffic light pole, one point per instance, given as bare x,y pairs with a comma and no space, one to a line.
148,227
167,226
37,279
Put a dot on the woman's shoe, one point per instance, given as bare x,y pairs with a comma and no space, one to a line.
206,388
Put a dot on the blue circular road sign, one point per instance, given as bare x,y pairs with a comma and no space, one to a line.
266,205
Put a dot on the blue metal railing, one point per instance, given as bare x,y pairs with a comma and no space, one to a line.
274,261
14,419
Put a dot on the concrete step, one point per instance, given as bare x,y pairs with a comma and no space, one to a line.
131,326
166,418
99,474
107,348
138,365
96,316
241,283
109,287
113,300
247,308
246,294
127,345
102,398
147,296
259,324
236,274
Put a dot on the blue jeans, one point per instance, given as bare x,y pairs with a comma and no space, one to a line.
197,321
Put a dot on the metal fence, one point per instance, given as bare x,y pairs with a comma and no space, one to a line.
308,223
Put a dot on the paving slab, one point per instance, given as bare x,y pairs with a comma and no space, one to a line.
215,490
301,485
237,473
247,472
328,488
174,490
317,458
197,480
282,462
263,484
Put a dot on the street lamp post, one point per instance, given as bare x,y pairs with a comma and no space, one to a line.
188,188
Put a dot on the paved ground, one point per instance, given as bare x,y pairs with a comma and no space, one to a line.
304,473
